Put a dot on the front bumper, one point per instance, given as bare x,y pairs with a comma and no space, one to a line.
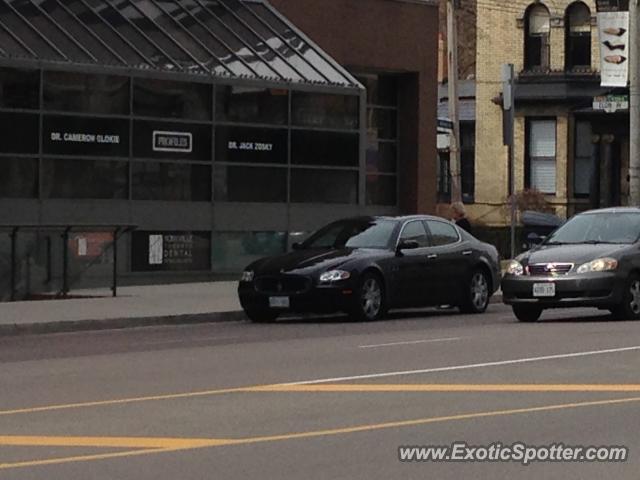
601,289
339,297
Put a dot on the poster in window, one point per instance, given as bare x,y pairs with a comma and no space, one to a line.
171,251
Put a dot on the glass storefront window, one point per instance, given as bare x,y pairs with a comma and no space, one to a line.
250,184
84,179
324,110
382,123
324,186
104,137
381,189
381,157
86,93
168,99
251,105
18,177
19,132
233,251
309,147
19,88
170,251
171,181
175,141
381,89
251,145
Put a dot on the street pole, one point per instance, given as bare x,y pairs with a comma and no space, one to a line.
509,111
634,104
454,145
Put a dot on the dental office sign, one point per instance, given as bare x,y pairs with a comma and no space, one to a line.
613,34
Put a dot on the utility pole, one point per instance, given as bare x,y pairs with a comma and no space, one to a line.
634,104
509,110
454,144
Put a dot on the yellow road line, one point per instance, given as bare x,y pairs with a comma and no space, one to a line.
204,443
108,442
79,458
448,388
293,388
121,401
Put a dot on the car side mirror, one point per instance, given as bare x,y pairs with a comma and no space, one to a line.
296,246
407,245
535,239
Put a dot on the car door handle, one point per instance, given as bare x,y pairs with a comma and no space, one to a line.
467,252
432,256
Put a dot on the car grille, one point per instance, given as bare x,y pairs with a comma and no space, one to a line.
283,284
549,269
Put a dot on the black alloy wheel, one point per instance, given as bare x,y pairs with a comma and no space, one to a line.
476,294
370,301
527,313
629,309
261,316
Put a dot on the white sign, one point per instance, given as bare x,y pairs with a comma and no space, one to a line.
613,30
156,249
172,141
250,146
611,103
84,138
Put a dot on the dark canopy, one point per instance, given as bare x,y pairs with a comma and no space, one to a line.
224,38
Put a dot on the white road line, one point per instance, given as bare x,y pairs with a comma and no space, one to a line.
468,366
411,342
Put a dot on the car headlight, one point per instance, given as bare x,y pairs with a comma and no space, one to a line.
598,265
334,276
514,267
247,276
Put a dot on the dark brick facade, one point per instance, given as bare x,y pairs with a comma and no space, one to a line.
393,36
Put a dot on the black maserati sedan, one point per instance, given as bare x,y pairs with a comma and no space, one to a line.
365,266
593,260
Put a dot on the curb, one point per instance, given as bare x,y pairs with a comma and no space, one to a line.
123,323
118,323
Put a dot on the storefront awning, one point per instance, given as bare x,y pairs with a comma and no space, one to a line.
230,39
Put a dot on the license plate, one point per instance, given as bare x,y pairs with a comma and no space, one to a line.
544,289
279,302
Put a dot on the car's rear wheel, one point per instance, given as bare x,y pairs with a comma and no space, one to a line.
629,309
477,293
370,301
527,313
261,315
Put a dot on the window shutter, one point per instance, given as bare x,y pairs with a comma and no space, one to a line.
542,152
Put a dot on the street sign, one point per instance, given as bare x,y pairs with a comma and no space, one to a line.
611,103
612,5
445,123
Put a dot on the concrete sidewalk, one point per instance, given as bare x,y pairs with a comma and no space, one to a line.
138,306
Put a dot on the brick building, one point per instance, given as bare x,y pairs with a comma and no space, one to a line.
575,155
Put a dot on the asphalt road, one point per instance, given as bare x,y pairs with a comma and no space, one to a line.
319,399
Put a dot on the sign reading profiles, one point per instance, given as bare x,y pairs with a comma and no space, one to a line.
172,141
613,34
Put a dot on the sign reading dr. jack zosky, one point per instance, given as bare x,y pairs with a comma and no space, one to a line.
613,34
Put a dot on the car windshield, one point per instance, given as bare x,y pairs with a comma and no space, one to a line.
598,228
368,233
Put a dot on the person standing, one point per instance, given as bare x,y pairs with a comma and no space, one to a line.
460,216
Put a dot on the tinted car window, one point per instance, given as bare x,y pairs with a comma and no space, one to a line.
415,231
442,233
599,228
353,234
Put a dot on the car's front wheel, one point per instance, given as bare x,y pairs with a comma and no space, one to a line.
370,301
629,309
477,293
527,313
261,315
